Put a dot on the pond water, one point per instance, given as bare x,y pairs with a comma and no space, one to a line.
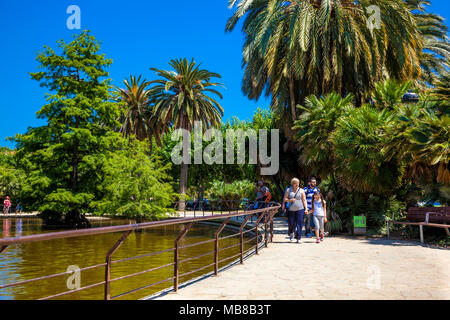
27,261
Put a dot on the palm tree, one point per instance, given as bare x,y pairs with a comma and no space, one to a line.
421,137
315,127
137,115
442,89
297,48
360,163
180,97
436,46
389,93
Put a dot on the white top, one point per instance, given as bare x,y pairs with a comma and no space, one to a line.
298,204
318,208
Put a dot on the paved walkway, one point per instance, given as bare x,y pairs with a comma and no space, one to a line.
338,268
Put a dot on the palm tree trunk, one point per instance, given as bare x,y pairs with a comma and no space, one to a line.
183,184
183,171
292,95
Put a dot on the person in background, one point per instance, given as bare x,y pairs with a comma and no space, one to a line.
6,205
261,194
309,192
285,205
297,208
319,209
19,207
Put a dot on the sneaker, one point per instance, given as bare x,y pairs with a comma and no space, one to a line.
326,233
291,236
317,240
321,238
299,241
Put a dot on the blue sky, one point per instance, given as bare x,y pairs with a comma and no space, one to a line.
137,35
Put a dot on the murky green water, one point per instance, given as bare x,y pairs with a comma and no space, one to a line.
27,261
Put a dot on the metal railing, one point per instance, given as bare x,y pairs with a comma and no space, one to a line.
262,229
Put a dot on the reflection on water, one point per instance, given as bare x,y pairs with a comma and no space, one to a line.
27,261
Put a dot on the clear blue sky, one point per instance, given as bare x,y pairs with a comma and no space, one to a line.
136,34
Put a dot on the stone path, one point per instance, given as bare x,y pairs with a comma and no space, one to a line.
338,268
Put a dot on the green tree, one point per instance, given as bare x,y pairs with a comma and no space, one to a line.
11,178
63,158
181,97
135,185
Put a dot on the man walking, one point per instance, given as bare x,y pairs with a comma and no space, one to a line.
309,192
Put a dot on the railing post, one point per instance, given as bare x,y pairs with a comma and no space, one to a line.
258,220
388,231
108,264
421,233
175,266
216,246
266,218
271,225
241,237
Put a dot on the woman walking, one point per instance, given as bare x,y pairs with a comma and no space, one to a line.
319,209
296,198
6,205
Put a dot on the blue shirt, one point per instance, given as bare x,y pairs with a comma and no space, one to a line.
309,192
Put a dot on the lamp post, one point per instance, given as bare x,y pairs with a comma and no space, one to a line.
410,97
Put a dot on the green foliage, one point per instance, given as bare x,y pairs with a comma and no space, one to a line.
11,178
63,158
135,185
389,93
294,49
181,96
358,140
315,127
237,190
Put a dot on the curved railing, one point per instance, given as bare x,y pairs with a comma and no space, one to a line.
262,229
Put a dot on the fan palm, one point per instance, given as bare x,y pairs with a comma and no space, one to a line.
421,138
389,93
296,48
360,163
180,97
315,127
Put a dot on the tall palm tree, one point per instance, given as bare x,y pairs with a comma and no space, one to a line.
137,115
300,47
135,108
180,97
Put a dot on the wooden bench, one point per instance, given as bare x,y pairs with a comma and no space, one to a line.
424,216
